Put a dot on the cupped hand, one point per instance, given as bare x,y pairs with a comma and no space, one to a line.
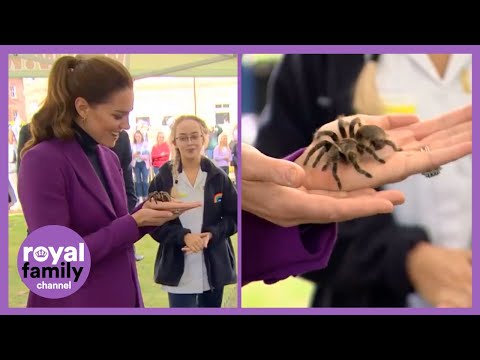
175,206
448,136
151,217
271,189
286,206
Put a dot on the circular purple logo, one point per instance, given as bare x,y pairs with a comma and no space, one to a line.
53,261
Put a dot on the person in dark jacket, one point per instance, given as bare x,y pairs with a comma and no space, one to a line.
195,259
123,149
23,137
376,262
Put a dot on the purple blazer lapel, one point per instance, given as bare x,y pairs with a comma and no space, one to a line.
114,177
86,174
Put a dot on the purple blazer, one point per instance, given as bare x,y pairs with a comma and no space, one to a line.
58,186
272,253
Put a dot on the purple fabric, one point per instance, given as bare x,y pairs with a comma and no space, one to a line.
58,186
272,253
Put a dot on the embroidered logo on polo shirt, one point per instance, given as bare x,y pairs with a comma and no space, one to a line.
217,198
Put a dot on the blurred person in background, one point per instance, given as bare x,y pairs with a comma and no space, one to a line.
141,165
234,150
213,134
222,155
160,152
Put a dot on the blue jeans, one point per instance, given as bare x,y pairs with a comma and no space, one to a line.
207,299
209,153
141,179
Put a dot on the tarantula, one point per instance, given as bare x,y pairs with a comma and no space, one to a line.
367,138
161,196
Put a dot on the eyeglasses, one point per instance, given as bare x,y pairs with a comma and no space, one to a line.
192,138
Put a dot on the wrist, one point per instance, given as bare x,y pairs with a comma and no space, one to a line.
137,216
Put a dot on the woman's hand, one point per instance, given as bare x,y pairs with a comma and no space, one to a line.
175,206
158,213
206,237
194,242
150,217
271,189
448,137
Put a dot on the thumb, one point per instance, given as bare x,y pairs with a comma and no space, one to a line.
260,167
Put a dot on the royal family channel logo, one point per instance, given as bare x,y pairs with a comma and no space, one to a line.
54,262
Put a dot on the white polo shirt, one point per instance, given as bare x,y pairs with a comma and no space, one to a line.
194,279
442,204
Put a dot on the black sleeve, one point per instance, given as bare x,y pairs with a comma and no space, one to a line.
23,137
305,92
227,226
370,253
123,150
288,120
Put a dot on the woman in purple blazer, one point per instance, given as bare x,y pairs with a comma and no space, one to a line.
70,177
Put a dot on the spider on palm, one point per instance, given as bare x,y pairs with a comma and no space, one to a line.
161,196
348,149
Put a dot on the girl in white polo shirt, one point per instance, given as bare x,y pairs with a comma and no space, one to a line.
195,259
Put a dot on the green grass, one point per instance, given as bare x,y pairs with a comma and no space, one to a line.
289,293
153,295
17,291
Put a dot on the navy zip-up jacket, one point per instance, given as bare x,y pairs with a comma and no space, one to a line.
219,218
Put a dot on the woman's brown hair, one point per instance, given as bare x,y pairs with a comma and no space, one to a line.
94,78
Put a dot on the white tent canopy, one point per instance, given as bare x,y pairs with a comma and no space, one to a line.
139,65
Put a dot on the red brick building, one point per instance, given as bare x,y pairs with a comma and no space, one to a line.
16,100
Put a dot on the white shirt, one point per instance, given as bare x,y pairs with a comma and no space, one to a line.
442,205
194,279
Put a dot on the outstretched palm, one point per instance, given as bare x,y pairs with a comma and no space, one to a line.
448,137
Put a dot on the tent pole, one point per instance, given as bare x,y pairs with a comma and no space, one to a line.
195,95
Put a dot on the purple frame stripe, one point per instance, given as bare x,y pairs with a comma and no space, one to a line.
229,49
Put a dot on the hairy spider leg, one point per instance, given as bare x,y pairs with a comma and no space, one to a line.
332,134
335,175
351,128
152,196
315,148
392,144
371,151
339,154
357,167
320,154
324,167
341,126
